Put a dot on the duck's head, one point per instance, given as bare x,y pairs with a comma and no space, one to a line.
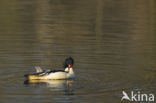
69,62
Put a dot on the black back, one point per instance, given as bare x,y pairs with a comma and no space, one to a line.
68,61
53,71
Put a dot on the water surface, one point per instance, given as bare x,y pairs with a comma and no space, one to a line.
113,44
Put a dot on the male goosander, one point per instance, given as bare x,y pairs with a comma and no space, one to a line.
68,73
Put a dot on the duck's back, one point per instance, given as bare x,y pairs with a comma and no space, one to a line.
57,75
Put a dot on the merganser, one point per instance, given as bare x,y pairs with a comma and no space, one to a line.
41,74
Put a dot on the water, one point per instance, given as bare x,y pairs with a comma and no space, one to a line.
112,42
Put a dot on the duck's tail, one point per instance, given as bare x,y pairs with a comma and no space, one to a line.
38,69
36,75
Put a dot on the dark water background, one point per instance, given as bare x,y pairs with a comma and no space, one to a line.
113,43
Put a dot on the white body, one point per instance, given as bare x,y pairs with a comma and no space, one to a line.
69,74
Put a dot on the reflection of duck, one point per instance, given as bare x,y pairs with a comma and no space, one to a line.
40,74
55,85
51,83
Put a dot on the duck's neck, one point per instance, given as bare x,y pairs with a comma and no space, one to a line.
71,71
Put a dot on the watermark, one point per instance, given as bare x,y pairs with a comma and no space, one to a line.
137,96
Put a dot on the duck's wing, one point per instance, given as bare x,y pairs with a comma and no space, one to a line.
39,72
35,74
38,69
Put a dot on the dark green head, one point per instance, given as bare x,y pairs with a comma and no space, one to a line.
69,62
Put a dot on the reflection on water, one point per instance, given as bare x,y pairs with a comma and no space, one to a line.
54,85
112,42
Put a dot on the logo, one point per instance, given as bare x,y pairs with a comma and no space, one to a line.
137,96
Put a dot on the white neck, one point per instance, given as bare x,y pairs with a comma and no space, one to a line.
69,70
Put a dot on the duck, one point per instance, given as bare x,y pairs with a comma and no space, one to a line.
41,74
